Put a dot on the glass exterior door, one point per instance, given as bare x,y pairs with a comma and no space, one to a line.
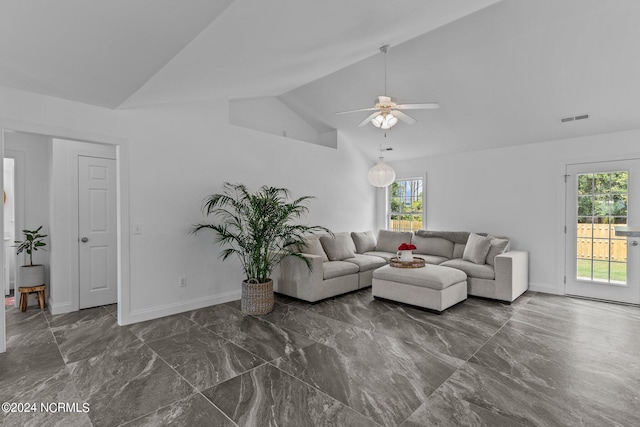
601,197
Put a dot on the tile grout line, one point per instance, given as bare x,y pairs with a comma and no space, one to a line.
322,392
197,391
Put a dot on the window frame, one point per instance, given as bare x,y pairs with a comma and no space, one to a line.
388,211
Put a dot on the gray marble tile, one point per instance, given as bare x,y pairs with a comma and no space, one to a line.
88,338
259,337
596,314
266,396
476,317
18,323
382,377
161,328
354,308
585,326
194,411
122,386
111,308
316,327
600,377
204,358
524,403
282,299
76,317
215,315
48,389
28,357
440,411
450,344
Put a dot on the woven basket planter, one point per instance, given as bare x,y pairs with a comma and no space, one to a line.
257,298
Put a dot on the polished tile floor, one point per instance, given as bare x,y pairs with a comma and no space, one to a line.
350,361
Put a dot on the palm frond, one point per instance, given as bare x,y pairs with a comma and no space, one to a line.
259,227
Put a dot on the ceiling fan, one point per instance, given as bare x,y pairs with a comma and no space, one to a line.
386,112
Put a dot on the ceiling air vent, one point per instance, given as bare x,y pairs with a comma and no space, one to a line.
570,119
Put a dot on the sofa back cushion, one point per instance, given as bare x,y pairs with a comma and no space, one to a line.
458,250
312,246
365,241
338,247
499,245
476,249
433,246
388,241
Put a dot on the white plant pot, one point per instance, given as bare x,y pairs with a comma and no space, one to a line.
31,275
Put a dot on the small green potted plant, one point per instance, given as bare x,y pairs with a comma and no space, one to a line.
261,228
31,274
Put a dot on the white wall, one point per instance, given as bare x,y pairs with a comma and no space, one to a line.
516,192
180,153
37,159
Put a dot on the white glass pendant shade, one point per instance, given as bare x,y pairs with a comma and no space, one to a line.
384,120
381,175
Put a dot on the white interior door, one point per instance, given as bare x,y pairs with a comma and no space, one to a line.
600,197
97,231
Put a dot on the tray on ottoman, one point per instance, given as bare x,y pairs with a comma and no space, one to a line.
433,287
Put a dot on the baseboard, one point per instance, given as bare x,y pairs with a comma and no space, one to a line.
60,308
544,288
180,307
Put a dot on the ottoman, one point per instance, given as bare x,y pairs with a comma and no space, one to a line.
433,287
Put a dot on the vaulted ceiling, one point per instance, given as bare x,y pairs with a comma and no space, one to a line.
505,72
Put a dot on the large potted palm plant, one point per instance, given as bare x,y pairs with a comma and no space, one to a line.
261,228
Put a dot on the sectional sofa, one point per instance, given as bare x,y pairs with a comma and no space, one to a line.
345,262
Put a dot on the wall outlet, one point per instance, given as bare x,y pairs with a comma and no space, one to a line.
183,282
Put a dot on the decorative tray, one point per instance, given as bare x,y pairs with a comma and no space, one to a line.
416,263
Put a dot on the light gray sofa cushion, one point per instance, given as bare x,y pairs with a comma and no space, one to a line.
476,249
339,246
432,276
388,241
433,246
365,241
384,255
367,262
480,271
333,269
458,250
431,259
312,246
498,246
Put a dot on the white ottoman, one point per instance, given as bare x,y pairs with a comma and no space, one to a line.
433,287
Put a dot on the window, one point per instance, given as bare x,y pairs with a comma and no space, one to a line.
405,205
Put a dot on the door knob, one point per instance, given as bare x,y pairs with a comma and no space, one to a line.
634,243
85,240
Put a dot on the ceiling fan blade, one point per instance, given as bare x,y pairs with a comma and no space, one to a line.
368,119
357,111
402,116
428,105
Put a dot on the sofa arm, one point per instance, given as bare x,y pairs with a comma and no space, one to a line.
292,276
512,274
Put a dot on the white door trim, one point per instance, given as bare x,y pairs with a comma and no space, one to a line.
122,159
18,157
88,150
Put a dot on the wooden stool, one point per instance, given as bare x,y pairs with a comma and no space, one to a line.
24,296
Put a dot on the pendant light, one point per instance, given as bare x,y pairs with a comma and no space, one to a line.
381,175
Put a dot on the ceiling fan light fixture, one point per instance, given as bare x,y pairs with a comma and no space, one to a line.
384,121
